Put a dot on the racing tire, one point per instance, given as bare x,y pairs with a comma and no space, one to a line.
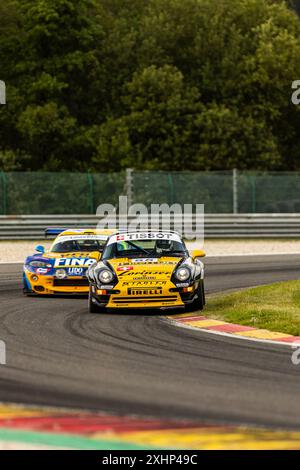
93,308
203,294
199,303
27,292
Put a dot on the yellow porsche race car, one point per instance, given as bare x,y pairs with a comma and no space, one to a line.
62,269
146,270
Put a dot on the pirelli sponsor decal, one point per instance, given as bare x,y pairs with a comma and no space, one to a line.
144,291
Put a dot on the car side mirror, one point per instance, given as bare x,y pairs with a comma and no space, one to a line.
95,255
198,254
40,249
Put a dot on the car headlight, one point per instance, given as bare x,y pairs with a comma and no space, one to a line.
61,274
40,264
183,274
105,276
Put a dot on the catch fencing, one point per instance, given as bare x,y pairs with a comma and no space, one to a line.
231,192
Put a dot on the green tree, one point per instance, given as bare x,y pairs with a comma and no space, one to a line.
60,82
156,84
156,129
168,127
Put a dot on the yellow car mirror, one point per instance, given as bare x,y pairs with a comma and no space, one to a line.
198,254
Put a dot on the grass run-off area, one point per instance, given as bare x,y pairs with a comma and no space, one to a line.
275,307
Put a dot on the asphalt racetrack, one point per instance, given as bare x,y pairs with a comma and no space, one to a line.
59,355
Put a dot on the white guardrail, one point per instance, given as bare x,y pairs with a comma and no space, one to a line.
32,227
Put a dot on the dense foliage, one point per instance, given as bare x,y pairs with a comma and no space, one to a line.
101,85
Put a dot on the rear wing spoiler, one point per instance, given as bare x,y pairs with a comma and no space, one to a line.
54,232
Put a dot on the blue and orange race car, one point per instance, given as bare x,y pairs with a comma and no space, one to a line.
62,269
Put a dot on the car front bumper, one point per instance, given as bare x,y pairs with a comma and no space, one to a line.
49,285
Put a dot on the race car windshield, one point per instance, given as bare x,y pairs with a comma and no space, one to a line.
144,249
76,246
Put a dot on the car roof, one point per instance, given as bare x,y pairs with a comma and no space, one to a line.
146,234
86,232
129,232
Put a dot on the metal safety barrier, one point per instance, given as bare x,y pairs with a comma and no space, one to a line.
216,225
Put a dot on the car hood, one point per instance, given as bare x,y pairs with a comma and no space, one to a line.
62,260
145,267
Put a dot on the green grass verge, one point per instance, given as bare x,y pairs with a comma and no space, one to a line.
275,307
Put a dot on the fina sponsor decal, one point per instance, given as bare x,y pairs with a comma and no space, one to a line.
73,262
